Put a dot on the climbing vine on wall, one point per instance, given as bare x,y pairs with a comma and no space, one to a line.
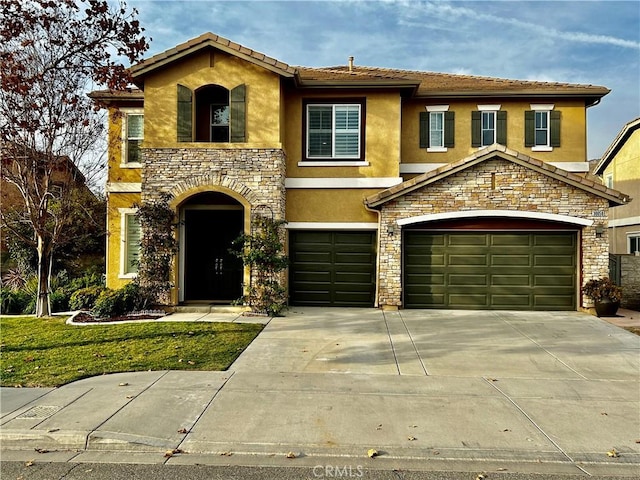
158,248
262,251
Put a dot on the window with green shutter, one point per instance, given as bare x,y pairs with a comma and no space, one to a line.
333,131
488,127
437,130
132,240
135,135
542,129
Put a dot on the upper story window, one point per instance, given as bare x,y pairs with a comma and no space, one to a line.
132,136
542,128
220,114
334,131
437,128
488,126
608,180
634,243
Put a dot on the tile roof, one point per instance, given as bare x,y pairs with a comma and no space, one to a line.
433,83
215,41
615,197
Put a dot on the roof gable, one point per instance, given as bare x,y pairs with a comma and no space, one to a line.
611,152
496,151
206,41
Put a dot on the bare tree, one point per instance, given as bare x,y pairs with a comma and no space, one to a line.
52,53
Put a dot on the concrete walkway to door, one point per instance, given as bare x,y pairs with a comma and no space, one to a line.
464,391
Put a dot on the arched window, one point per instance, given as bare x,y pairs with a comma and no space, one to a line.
212,114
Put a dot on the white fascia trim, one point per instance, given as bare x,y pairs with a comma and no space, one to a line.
489,108
123,187
370,182
624,222
332,226
437,108
496,213
571,166
334,163
542,106
419,167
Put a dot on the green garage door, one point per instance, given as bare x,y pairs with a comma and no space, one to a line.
478,270
332,268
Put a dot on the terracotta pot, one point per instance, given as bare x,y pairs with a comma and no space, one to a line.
607,307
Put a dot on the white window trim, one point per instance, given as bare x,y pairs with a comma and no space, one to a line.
124,136
437,109
629,236
543,107
124,213
608,180
333,156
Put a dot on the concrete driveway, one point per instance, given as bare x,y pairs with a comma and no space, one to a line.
430,390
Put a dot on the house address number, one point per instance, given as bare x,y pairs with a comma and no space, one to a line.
599,213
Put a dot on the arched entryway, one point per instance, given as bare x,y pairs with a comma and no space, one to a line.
209,273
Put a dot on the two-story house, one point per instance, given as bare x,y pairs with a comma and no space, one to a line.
620,169
400,188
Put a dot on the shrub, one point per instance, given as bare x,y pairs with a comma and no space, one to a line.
14,301
85,298
599,288
108,304
59,301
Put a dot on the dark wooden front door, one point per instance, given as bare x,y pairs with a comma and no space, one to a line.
211,273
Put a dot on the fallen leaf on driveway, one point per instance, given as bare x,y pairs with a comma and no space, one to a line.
291,455
613,453
379,427
411,439
226,454
372,452
183,430
481,476
171,453
29,463
123,384
41,450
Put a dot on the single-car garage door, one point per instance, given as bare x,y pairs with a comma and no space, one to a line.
332,268
497,270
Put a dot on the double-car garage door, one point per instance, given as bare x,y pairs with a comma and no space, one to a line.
490,270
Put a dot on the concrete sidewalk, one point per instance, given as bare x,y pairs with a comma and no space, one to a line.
544,392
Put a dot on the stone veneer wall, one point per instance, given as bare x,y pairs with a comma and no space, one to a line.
255,174
517,188
630,281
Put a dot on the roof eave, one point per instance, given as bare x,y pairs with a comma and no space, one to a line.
591,97
616,145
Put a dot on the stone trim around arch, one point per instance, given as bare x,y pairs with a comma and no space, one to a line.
213,183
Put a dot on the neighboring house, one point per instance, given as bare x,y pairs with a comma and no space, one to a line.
400,188
619,168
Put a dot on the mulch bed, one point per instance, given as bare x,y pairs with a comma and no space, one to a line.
86,317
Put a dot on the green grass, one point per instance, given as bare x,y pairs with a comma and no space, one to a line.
45,352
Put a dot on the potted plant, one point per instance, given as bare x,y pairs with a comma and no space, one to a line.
606,295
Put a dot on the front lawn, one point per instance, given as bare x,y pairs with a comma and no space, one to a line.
45,352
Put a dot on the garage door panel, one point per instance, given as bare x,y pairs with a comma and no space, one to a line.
517,270
332,268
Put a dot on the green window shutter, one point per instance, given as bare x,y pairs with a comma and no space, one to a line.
238,114
133,239
501,127
529,128
185,107
476,129
424,129
554,116
449,129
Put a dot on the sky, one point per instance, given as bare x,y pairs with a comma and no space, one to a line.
586,42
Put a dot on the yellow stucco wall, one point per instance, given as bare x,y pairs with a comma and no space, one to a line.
382,146
329,205
262,101
116,201
573,144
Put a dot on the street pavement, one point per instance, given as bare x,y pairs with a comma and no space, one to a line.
553,393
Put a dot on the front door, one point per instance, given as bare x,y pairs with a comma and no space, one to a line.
211,273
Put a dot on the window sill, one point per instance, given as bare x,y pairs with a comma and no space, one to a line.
437,149
334,163
131,165
127,275
542,148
